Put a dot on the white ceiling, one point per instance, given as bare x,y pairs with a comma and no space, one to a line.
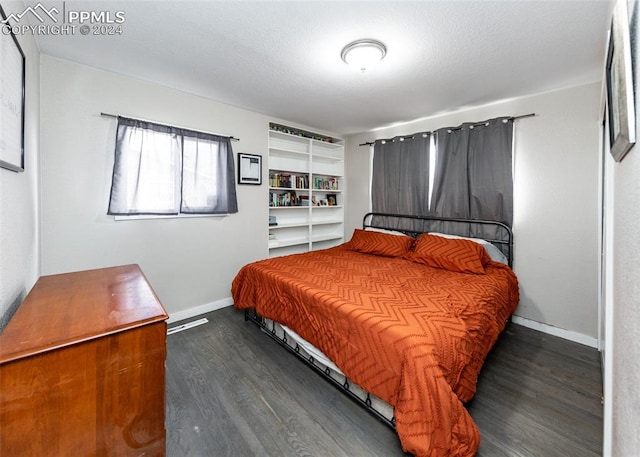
282,58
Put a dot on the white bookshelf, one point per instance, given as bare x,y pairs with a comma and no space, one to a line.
303,171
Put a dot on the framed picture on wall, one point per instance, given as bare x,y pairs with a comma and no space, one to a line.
619,75
12,63
249,169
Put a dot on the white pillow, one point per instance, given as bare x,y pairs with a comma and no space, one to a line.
388,232
494,253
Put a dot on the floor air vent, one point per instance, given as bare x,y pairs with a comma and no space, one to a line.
188,325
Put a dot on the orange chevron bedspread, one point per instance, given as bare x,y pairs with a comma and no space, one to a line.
413,335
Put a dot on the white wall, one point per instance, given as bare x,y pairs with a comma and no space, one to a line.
555,200
19,202
189,262
623,345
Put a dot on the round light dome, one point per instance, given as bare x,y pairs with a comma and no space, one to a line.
363,54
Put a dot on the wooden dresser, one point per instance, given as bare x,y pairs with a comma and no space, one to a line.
82,368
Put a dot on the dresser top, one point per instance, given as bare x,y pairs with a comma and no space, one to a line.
68,308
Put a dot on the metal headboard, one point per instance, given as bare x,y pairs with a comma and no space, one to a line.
463,227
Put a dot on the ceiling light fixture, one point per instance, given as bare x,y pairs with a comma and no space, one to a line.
363,54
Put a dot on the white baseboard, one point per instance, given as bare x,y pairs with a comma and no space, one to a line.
197,310
557,331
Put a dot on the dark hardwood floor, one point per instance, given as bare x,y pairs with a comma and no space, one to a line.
231,391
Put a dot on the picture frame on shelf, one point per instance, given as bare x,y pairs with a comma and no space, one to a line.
249,169
12,95
619,83
332,199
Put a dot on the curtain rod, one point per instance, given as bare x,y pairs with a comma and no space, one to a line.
232,138
514,118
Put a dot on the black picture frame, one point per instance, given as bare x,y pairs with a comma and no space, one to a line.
12,92
619,79
249,169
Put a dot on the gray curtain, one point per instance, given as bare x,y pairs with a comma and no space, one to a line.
146,170
165,170
400,179
473,177
208,177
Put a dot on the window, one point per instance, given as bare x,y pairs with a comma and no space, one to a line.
164,170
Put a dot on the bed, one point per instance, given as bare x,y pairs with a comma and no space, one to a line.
405,314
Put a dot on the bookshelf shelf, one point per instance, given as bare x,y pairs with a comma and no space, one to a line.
306,191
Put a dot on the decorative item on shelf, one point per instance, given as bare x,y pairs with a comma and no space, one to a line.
304,200
299,132
332,199
272,221
324,202
249,169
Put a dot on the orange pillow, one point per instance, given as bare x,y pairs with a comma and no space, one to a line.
379,243
457,255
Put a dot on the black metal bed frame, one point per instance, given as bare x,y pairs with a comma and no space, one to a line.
310,361
504,241
251,315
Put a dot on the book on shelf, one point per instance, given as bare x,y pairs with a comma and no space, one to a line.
288,198
323,183
289,180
